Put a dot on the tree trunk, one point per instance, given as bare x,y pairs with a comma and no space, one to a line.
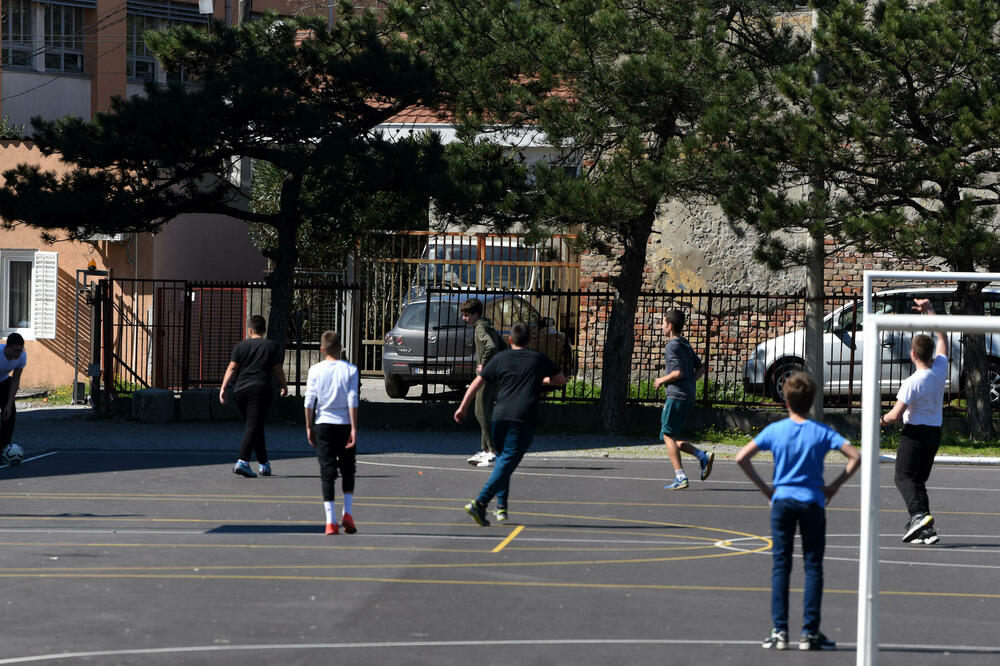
974,367
814,320
616,372
280,281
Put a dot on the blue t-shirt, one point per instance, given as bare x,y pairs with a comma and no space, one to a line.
799,450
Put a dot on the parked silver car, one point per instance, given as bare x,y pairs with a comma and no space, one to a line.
843,332
435,328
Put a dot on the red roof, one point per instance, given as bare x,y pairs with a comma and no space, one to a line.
423,115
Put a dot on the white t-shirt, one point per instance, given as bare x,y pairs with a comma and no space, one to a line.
331,389
8,366
923,393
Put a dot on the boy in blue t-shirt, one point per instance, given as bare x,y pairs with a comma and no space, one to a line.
798,497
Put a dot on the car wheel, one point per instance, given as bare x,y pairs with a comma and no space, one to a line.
396,387
778,375
993,376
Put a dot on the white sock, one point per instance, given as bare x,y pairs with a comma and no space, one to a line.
348,502
331,512
679,474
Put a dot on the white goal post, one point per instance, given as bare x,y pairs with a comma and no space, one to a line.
874,325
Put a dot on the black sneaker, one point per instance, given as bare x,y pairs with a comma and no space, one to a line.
928,536
776,640
817,641
478,513
916,526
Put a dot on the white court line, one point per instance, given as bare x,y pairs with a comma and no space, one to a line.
68,530
26,460
728,544
446,644
658,479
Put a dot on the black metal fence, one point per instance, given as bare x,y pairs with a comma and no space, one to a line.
177,335
749,343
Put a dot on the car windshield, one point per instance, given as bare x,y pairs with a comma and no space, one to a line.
442,313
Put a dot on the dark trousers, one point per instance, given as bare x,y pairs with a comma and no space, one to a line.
253,402
331,438
918,444
7,426
811,519
512,439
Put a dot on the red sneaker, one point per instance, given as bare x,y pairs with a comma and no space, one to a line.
348,524
331,528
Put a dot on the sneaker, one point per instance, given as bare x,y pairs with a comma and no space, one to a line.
706,467
476,459
927,536
243,469
501,514
488,460
678,484
776,640
348,523
478,513
916,526
817,641
264,469
331,528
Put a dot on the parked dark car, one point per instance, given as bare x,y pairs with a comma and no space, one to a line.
430,340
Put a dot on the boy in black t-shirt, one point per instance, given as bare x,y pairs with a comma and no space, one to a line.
252,363
519,373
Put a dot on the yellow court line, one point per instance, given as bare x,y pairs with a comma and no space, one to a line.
510,537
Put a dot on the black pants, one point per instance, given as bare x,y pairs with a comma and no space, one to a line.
7,426
253,402
331,438
918,444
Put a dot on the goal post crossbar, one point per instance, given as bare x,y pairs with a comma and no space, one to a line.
874,325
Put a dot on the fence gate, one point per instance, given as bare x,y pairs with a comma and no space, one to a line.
178,335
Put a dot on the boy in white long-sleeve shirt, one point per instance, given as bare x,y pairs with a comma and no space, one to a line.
332,427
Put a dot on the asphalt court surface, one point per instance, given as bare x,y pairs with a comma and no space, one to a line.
163,558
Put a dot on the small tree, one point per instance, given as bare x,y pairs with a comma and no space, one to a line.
290,93
618,87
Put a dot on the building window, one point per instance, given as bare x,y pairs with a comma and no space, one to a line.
28,293
63,39
141,65
17,34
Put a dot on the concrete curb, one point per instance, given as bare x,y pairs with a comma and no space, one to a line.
950,460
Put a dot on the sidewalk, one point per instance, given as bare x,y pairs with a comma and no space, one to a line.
75,428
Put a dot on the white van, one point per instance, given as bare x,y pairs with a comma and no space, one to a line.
843,333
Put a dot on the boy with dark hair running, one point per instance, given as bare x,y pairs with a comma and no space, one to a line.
920,402
520,373
332,427
13,360
252,363
683,368
798,497
488,343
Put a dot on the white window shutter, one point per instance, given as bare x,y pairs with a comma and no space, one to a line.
43,287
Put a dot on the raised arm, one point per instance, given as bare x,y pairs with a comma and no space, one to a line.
923,306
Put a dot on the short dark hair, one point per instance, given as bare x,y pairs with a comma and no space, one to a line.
330,342
257,324
15,339
520,334
923,348
676,319
473,306
799,390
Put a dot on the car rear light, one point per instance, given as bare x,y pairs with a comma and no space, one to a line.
391,339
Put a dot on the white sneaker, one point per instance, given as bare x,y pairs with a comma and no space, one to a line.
487,461
476,459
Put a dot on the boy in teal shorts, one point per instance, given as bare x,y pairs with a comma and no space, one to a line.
683,368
